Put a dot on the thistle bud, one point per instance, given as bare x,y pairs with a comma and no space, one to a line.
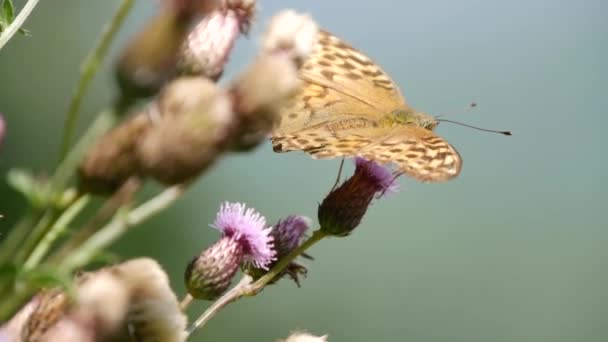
113,160
206,50
286,235
245,241
188,133
51,306
344,207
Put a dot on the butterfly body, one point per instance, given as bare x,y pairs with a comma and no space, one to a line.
349,107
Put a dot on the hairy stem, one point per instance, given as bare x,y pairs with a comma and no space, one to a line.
16,24
89,69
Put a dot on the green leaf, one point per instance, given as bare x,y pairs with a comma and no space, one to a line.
7,13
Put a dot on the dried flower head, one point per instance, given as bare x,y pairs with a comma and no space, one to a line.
188,133
112,160
245,241
154,312
304,337
206,50
291,33
344,207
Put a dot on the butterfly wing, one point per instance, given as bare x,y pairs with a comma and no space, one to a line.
417,152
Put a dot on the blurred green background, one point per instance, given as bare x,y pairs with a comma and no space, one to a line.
515,249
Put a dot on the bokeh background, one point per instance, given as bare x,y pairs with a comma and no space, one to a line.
515,249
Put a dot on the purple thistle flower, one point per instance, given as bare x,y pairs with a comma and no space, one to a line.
2,129
344,207
380,176
288,232
248,228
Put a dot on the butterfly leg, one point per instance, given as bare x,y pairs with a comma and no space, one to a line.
339,174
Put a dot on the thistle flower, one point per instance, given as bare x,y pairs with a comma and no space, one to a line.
286,235
245,240
206,50
187,136
344,207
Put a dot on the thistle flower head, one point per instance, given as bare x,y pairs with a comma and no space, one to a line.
291,33
344,207
248,228
288,232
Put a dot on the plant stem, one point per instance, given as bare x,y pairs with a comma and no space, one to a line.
118,226
232,295
11,243
185,303
245,287
259,284
19,20
34,236
89,69
59,227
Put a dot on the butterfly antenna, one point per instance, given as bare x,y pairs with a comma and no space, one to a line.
466,109
397,175
339,174
477,128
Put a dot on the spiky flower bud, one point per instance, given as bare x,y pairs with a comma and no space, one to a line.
209,274
189,132
206,50
344,207
245,240
287,235
113,160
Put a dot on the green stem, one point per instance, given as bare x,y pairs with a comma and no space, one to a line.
89,69
14,240
58,228
118,226
16,24
246,288
232,295
35,235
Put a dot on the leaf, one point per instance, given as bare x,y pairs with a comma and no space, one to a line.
7,14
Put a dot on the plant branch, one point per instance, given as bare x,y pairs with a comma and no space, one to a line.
89,69
118,226
16,24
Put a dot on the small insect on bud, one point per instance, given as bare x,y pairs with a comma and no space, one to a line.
193,121
150,58
291,33
344,207
245,241
206,50
113,160
286,234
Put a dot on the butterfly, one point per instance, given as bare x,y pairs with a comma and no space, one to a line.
348,106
